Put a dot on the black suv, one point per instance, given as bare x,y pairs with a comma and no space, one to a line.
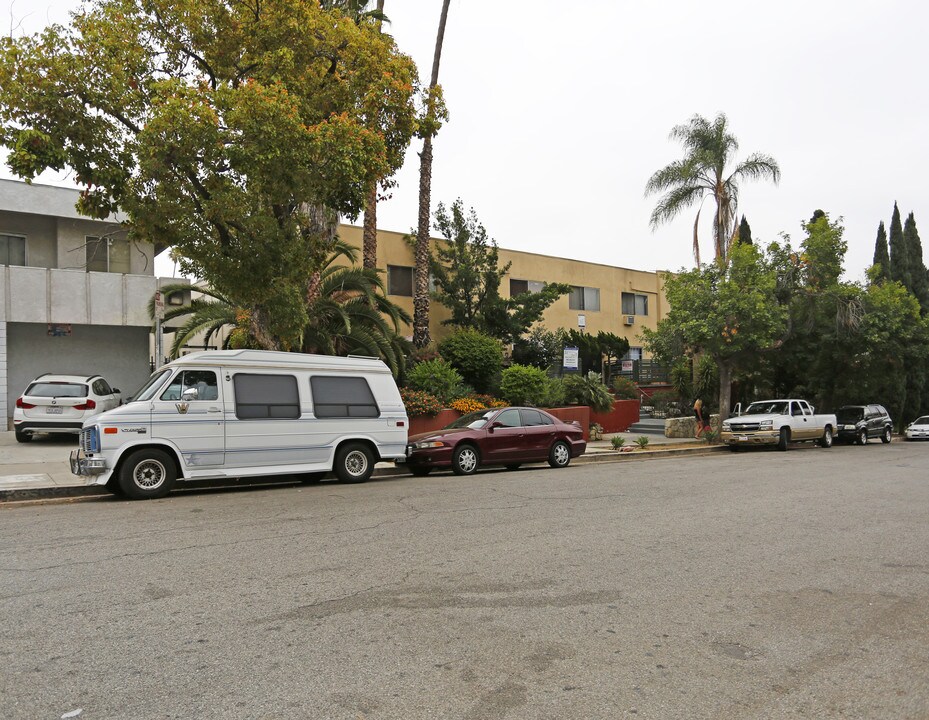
857,423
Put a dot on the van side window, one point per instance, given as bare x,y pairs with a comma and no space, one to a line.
203,381
266,397
343,397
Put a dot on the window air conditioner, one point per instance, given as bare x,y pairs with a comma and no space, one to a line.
629,320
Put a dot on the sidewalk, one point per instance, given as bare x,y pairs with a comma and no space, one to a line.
39,470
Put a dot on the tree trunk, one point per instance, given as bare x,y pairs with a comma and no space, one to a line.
421,291
369,235
725,389
369,241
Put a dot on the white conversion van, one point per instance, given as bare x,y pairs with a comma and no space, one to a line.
240,413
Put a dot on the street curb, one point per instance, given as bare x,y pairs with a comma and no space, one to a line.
22,497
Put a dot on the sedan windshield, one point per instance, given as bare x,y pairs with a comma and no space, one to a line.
924,420
767,408
475,420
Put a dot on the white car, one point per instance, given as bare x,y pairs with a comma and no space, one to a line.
61,403
918,429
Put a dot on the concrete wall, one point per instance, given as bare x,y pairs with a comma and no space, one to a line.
120,354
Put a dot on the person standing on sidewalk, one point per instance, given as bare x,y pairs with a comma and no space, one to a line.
698,413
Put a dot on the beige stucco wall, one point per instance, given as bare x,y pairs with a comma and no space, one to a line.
612,281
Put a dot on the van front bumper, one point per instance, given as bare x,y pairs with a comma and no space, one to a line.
83,465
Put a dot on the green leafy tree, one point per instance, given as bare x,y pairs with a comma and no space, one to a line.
468,274
899,257
593,349
919,277
701,173
744,232
881,255
234,132
541,348
729,312
478,357
209,315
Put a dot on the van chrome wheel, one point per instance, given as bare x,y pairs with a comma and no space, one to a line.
354,463
147,474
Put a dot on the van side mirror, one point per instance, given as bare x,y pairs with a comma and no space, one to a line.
190,394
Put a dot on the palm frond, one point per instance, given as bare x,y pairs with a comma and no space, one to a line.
672,203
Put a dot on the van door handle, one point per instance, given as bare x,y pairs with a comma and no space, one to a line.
213,409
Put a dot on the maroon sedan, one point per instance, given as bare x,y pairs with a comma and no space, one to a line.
499,436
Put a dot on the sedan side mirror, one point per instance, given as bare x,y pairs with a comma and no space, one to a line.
494,425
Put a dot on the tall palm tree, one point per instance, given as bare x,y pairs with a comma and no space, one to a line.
349,313
709,148
421,289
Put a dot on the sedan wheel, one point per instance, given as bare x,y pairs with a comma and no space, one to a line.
465,461
560,455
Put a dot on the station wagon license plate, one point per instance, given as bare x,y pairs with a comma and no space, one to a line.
53,410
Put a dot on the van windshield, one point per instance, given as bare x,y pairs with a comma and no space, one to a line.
148,390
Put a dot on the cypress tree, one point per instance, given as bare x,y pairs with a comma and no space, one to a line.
881,255
899,261
745,232
917,270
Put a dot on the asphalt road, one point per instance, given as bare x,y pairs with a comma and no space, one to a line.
750,585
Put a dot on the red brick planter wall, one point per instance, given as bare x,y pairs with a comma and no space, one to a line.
623,414
428,423
581,413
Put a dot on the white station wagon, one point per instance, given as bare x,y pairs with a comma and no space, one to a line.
61,404
245,413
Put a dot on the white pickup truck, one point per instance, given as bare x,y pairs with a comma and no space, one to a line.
777,422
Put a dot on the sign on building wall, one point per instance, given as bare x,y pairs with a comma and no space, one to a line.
570,358
59,330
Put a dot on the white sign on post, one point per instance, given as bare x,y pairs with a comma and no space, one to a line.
159,305
570,358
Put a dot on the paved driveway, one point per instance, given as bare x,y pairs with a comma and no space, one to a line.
750,585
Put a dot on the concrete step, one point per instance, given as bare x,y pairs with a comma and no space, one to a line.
648,426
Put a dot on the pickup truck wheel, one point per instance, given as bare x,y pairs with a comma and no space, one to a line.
783,439
886,435
862,437
147,474
826,440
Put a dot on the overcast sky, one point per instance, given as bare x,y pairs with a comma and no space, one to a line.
560,112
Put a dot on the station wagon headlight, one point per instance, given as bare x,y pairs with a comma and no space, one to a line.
428,444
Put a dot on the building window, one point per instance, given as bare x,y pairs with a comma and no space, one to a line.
12,250
634,304
343,397
107,254
266,397
520,287
584,298
400,280
635,353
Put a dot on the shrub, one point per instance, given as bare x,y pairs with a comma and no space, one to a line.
487,400
436,377
476,356
523,385
617,441
624,388
642,442
554,394
418,402
467,405
588,390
